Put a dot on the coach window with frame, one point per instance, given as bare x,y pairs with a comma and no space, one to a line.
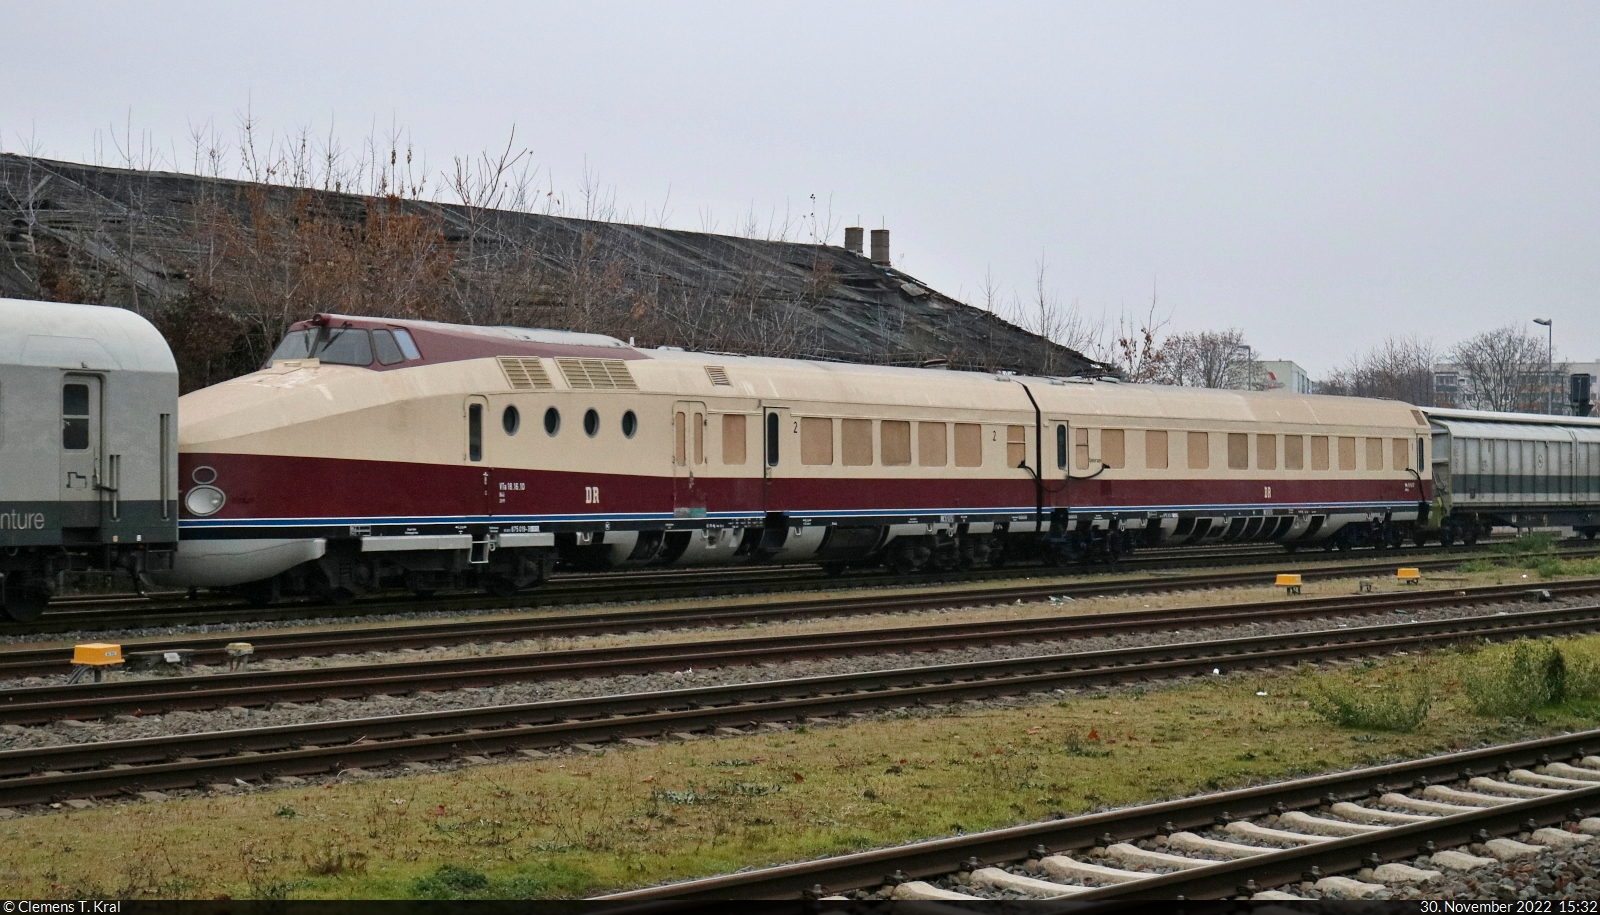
75,417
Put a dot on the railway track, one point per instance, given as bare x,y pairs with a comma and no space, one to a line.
25,660
38,705
1235,843
56,773
171,609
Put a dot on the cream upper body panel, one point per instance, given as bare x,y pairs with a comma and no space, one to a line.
305,408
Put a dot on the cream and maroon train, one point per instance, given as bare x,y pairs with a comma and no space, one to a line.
375,452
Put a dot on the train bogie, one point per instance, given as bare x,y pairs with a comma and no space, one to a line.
88,402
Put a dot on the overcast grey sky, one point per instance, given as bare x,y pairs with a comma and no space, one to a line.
1319,175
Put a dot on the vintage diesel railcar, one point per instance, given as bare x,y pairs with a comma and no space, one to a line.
1512,470
88,447
374,452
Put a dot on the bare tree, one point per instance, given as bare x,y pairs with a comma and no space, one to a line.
1401,368
1503,369
1208,359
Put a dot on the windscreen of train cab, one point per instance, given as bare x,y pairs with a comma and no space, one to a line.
336,345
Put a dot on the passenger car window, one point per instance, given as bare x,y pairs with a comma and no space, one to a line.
855,442
1199,451
816,440
733,438
933,444
1347,452
969,445
1267,452
1061,447
1080,448
1238,451
895,436
1319,452
1156,454
1113,448
1374,454
1294,452
1016,446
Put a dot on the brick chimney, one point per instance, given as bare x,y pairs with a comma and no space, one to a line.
853,238
880,246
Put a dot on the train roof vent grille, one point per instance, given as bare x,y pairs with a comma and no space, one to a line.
718,375
525,373
597,374
1417,415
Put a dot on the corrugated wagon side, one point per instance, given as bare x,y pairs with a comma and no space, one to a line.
1514,470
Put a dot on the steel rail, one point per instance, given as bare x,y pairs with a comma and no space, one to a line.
675,584
756,573
28,660
82,770
37,705
942,856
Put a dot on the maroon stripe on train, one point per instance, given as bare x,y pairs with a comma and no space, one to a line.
271,486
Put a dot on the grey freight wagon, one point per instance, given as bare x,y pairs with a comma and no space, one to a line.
88,447
1513,470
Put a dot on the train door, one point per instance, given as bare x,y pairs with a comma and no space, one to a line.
80,450
779,443
475,496
1057,454
688,459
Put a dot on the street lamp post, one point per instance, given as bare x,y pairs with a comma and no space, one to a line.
1550,325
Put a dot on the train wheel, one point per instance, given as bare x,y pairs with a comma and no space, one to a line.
902,558
499,587
263,593
25,599
833,569
1590,535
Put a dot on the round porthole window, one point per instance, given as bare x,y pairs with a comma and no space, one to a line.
630,424
591,423
552,421
511,419
204,500
204,475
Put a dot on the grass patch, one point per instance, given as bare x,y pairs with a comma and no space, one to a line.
1398,708
1527,544
574,825
1527,677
